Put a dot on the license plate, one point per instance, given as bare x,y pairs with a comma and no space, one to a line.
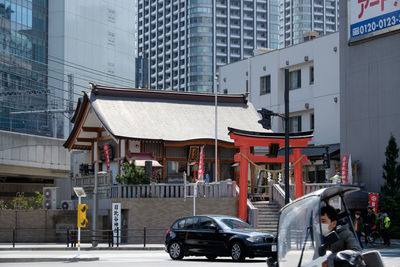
273,248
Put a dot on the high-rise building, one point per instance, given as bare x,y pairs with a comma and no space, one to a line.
186,41
300,19
23,67
50,50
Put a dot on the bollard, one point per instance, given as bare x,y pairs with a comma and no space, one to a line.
112,238
117,237
68,237
144,237
14,236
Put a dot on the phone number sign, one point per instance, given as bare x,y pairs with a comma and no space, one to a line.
372,17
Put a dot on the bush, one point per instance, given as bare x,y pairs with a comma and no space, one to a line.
132,174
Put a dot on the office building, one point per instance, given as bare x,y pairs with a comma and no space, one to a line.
23,67
185,42
301,19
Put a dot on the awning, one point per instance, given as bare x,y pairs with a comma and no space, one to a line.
141,158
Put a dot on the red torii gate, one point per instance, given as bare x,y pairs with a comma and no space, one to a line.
245,139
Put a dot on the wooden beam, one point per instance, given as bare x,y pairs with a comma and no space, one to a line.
85,140
93,129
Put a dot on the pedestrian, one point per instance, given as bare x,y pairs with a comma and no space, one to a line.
358,224
370,223
384,228
207,178
336,179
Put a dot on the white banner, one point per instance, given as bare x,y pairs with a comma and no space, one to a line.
116,221
372,17
350,171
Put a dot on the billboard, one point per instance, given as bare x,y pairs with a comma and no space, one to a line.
369,18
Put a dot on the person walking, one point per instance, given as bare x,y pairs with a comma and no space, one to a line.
370,223
358,224
385,225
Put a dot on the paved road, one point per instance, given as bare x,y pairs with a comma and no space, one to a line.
156,259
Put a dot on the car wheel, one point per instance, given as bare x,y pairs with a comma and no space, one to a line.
237,251
175,251
211,257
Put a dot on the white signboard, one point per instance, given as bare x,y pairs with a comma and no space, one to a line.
372,17
116,221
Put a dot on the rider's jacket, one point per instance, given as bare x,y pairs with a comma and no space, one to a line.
346,240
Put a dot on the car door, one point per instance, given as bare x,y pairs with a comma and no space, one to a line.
209,237
190,237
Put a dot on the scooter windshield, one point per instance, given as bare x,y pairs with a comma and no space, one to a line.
299,232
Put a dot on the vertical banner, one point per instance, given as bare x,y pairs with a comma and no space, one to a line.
201,165
107,155
373,201
349,171
344,170
116,221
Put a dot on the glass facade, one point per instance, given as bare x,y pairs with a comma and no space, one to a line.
24,93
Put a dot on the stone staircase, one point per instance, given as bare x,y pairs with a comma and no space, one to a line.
268,214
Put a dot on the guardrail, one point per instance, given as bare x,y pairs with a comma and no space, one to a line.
204,190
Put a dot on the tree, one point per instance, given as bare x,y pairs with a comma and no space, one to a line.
132,174
390,191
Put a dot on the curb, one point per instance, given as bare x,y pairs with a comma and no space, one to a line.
73,259
82,249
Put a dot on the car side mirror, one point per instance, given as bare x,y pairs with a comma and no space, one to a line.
329,239
213,227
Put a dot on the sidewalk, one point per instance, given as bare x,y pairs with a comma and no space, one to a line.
31,252
85,246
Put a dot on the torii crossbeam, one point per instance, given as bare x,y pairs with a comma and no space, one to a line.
245,139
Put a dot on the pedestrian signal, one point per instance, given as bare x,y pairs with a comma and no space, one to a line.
82,221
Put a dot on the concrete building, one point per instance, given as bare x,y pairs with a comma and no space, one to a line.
314,87
303,18
369,88
185,42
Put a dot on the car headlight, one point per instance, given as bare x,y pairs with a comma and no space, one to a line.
255,239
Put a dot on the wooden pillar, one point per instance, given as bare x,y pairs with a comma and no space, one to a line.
298,173
244,174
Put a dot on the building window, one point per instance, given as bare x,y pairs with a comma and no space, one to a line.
312,75
312,121
295,124
295,79
265,85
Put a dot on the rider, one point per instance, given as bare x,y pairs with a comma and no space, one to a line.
329,223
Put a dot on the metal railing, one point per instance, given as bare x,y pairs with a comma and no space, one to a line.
204,190
69,236
277,195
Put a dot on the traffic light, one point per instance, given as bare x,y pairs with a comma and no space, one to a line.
266,118
273,150
326,158
82,221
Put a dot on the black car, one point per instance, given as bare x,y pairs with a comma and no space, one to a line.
214,236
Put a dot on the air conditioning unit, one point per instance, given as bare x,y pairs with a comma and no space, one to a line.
50,198
67,205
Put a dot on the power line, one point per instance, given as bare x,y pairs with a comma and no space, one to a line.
128,82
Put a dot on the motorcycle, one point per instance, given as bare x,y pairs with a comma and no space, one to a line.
300,241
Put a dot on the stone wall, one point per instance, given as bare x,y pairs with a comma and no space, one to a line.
157,214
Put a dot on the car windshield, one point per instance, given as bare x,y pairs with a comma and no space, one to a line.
233,223
299,232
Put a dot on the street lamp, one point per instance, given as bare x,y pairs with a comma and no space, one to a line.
216,128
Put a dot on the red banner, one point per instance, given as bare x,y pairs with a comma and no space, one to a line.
107,155
373,201
201,167
344,170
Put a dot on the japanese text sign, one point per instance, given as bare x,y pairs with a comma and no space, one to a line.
374,17
373,201
344,169
116,221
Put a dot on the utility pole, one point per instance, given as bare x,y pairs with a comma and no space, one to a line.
287,191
